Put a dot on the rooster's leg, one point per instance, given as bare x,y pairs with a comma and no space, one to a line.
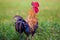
27,38
32,36
21,37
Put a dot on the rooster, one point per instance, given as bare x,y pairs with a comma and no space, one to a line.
29,25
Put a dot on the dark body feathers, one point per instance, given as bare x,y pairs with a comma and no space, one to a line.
22,26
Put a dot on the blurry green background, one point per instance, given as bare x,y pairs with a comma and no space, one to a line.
48,18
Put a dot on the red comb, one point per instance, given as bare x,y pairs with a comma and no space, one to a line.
35,4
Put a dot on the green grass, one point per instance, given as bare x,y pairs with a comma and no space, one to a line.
48,18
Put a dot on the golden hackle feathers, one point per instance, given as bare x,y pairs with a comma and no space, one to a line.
31,19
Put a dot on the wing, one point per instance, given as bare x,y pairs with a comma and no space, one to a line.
36,26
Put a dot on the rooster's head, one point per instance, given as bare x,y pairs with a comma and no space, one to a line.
35,6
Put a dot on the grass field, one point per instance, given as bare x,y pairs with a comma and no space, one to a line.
48,18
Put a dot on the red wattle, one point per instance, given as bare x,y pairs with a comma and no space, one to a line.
36,10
